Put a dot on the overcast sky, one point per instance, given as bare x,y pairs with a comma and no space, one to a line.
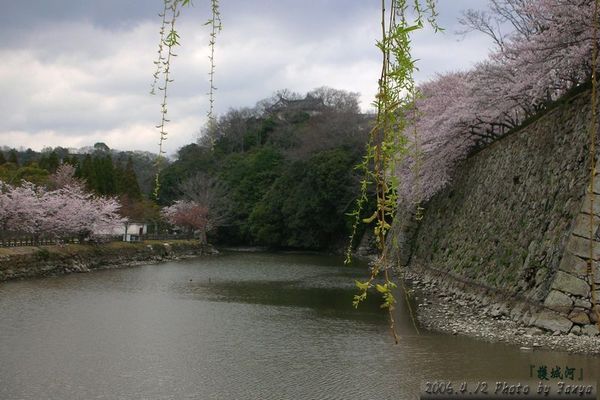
76,72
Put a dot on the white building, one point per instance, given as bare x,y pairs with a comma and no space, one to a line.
131,231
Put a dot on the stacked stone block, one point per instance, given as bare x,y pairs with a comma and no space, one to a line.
571,294
514,222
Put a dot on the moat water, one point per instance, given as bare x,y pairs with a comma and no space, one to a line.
234,326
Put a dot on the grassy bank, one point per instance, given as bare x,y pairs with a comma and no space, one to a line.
32,261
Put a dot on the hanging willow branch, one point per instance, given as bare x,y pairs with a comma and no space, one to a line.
160,59
388,142
417,157
170,40
216,26
593,132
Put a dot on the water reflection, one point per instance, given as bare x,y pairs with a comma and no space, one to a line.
237,326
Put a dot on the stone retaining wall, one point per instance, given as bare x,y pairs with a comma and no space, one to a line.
515,221
27,262
570,294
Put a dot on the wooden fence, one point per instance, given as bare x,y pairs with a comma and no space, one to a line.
16,241
167,236
33,241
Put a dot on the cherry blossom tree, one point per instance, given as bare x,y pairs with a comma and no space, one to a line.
558,55
189,215
441,133
64,212
203,189
547,52
73,211
23,208
64,176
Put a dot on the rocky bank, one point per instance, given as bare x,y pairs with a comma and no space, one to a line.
27,262
511,237
444,306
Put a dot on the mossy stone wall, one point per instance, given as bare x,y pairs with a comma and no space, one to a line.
514,218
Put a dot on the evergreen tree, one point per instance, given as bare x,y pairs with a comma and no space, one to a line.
127,183
53,162
2,159
85,171
104,170
13,157
101,147
29,157
43,162
49,161
72,160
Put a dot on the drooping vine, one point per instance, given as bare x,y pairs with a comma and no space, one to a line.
388,140
160,59
417,157
593,132
169,39
215,28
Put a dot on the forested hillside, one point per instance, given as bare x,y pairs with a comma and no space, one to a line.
280,174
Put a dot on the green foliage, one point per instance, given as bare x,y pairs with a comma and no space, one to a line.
104,171
287,183
191,160
107,177
49,161
306,205
248,178
12,157
13,174
85,170
215,27
387,141
98,172
42,254
169,39
363,288
139,209
104,174
101,147
127,182
32,173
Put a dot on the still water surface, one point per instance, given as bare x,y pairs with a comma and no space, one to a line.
235,326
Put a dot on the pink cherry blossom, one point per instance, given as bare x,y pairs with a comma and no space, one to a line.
548,53
64,212
189,215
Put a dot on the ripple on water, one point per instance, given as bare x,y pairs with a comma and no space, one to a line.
238,326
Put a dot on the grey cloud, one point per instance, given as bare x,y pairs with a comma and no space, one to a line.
80,70
113,14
